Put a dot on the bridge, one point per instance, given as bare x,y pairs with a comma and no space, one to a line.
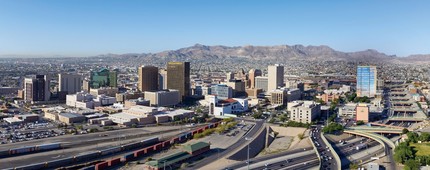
376,130
385,125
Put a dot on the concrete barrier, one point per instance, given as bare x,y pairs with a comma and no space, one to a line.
366,135
335,155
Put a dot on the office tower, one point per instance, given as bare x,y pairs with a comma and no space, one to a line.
148,78
252,74
275,77
37,88
222,91
70,83
261,83
229,76
162,79
178,77
240,74
86,84
366,81
103,78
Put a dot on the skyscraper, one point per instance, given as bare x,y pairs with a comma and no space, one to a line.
366,81
162,79
70,83
275,77
148,78
103,78
178,77
37,88
252,74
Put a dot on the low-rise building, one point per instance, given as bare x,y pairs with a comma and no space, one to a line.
304,111
70,118
362,112
108,91
226,108
163,98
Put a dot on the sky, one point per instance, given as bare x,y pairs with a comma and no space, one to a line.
93,27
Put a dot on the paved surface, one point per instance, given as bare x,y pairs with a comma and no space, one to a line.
68,152
272,157
329,164
206,163
276,162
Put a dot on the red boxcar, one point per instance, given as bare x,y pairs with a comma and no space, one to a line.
114,161
101,166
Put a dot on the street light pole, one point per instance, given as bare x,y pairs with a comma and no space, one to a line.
248,139
248,156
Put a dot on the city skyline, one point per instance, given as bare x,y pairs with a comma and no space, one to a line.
82,28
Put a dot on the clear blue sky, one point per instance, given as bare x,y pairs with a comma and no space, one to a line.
91,27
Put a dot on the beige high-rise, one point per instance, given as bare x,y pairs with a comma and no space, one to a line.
148,78
252,74
275,77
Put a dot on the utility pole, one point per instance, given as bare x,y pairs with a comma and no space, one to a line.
248,139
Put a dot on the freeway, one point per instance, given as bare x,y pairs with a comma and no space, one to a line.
240,143
304,162
300,158
271,156
326,162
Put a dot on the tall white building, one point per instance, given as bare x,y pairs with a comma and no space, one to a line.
71,83
275,77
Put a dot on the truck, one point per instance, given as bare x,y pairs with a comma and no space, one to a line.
361,146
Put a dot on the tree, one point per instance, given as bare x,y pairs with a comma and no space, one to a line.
353,166
412,136
333,127
425,136
412,165
360,122
405,131
301,136
403,152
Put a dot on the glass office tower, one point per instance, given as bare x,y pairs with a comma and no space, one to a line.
366,81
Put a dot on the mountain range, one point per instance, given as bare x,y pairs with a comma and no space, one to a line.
279,52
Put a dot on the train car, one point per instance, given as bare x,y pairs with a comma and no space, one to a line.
114,162
165,144
110,150
59,162
31,166
85,156
149,149
139,153
150,141
211,125
25,149
92,167
101,166
128,157
132,145
4,153
49,146
174,140
157,146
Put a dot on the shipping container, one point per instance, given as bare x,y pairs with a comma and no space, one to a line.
165,144
110,150
49,146
149,149
157,146
101,166
114,162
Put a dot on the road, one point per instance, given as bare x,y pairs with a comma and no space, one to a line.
295,159
258,125
271,156
326,162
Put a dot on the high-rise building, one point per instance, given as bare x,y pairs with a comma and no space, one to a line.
275,77
162,79
222,91
37,88
252,74
261,83
178,77
229,76
70,83
366,81
148,78
103,78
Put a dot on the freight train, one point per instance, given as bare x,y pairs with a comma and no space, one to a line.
150,146
30,149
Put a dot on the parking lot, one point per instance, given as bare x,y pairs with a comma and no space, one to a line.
28,132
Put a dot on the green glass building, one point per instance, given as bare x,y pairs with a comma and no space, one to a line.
103,78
